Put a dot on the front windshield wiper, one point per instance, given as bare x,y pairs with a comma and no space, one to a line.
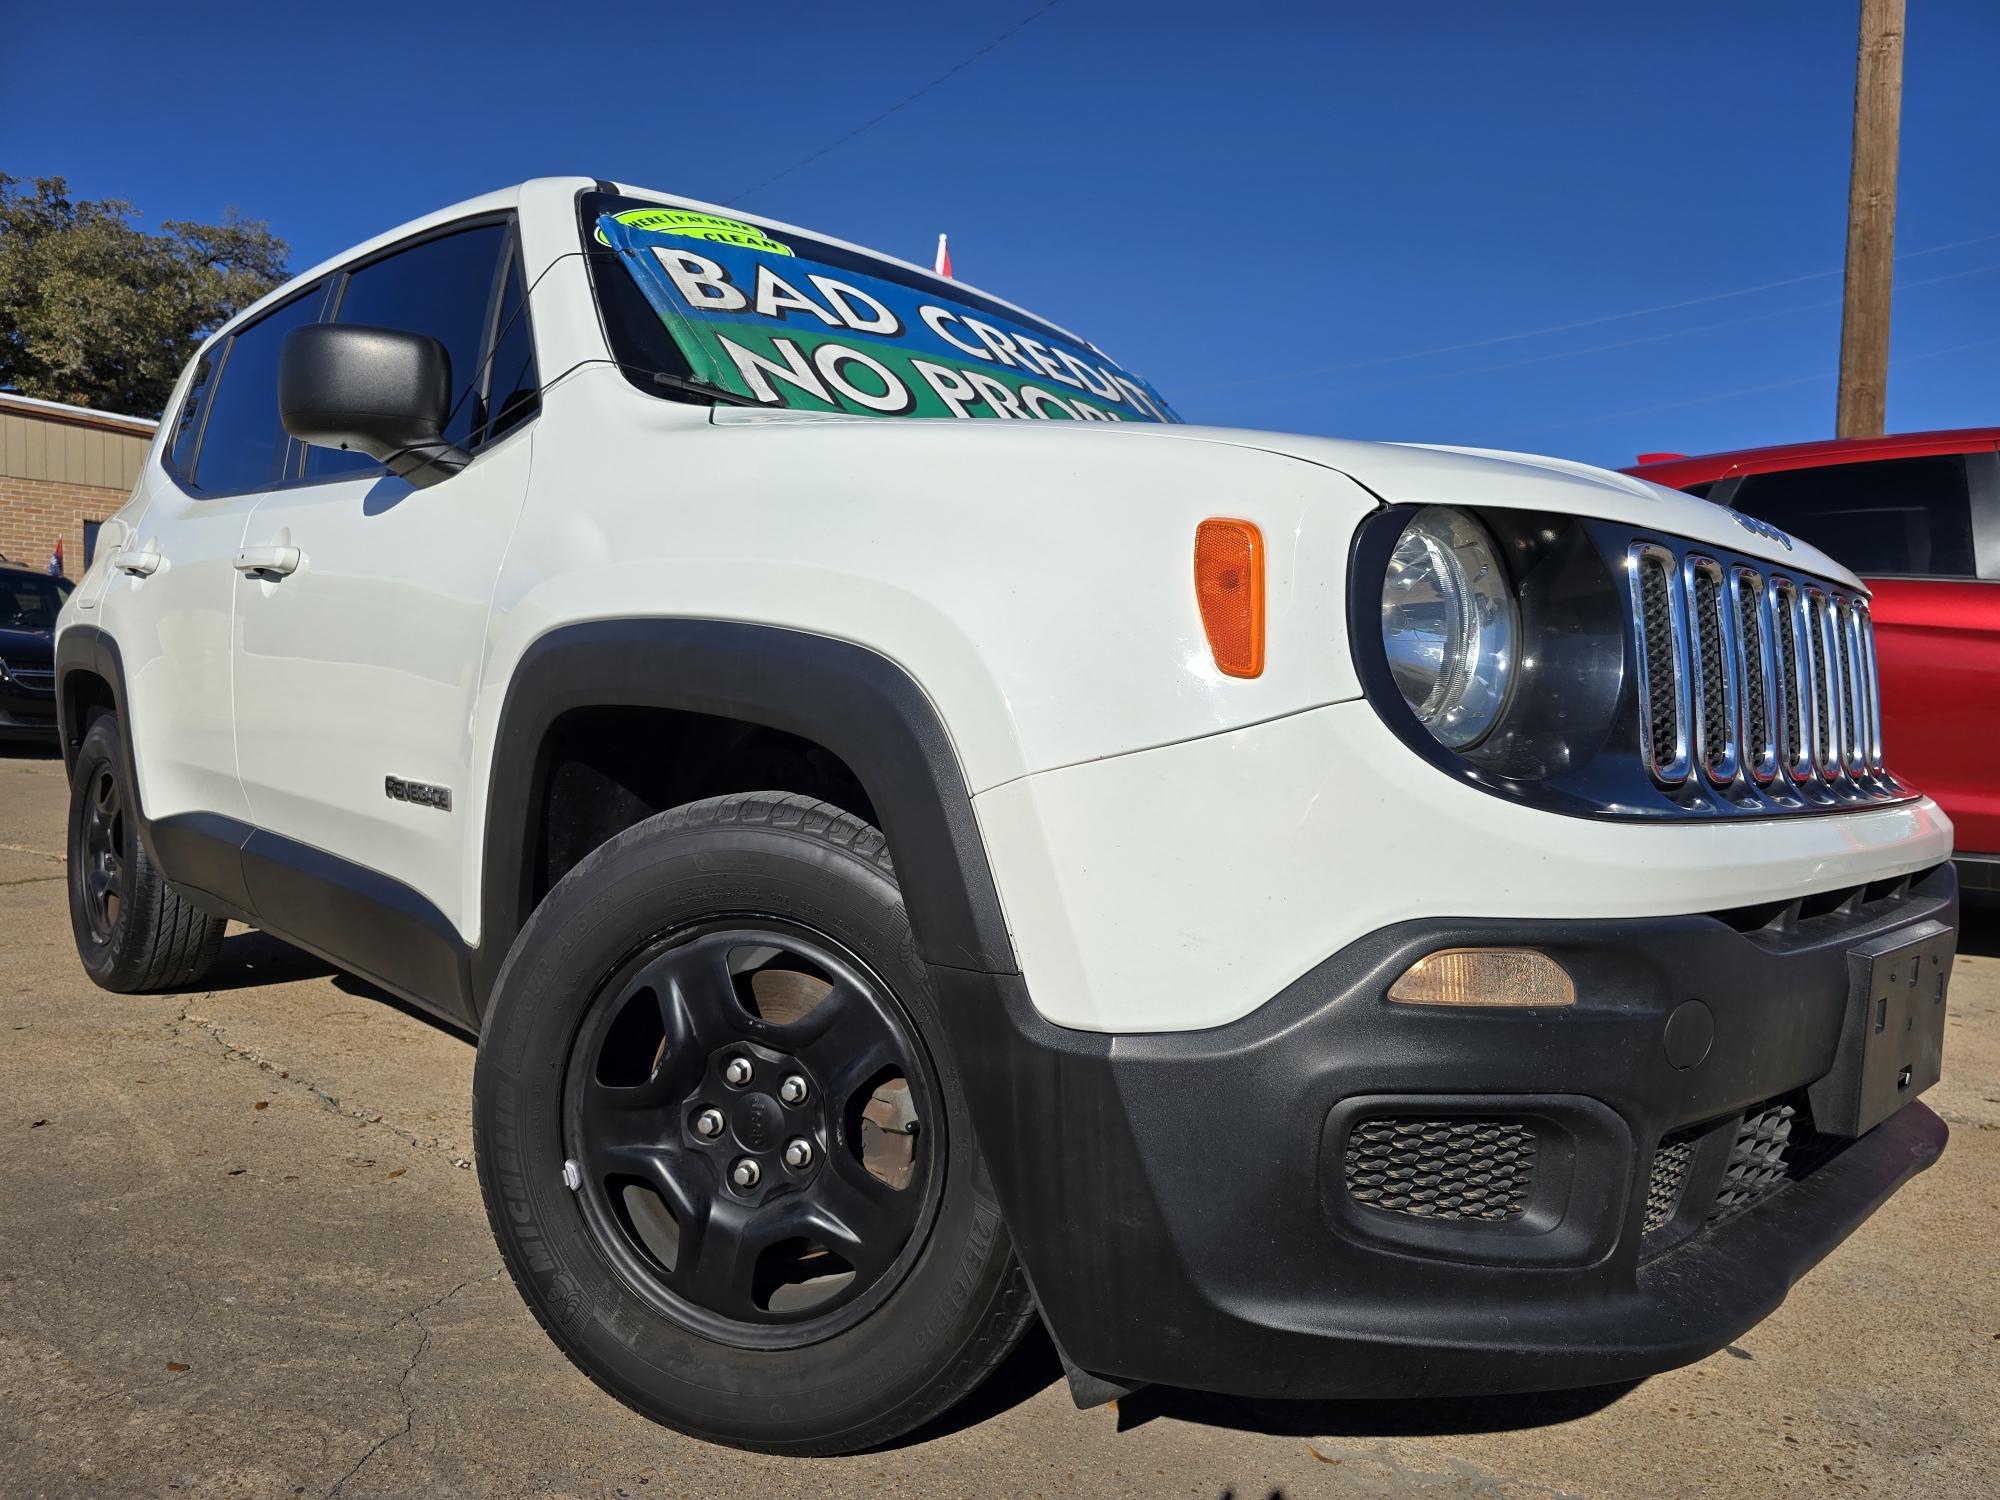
688,386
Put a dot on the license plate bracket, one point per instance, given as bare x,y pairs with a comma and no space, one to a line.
1892,1036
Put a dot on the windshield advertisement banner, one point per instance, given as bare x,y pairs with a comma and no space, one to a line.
764,320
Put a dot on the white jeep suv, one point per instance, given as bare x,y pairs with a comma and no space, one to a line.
1301,917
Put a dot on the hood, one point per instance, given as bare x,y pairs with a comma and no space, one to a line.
1420,474
1409,474
27,645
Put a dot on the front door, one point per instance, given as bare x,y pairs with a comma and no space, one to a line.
361,625
170,593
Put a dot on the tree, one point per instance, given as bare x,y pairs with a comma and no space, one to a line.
99,313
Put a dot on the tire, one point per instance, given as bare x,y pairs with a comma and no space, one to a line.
135,930
699,904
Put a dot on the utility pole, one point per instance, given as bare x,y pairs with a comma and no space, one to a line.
1871,222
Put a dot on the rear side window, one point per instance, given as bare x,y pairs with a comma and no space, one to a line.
242,441
442,287
187,423
1909,517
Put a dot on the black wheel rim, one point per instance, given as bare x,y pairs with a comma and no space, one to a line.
659,1122
102,869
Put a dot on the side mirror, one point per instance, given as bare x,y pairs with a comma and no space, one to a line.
378,391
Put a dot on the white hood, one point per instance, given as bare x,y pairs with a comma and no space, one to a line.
1420,474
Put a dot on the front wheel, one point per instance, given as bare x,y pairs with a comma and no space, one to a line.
723,1148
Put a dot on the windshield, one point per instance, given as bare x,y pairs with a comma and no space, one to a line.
29,601
778,319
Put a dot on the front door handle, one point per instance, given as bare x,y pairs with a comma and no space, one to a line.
271,561
138,564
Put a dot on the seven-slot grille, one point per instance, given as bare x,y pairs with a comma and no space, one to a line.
1751,675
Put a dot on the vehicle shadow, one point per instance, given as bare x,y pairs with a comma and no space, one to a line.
1979,923
250,958
1432,1416
1035,1366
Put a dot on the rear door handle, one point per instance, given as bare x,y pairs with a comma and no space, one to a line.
138,564
277,561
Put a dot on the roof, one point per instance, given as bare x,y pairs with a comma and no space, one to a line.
80,416
1685,470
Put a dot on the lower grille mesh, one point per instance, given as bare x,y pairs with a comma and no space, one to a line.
1441,1169
1756,1161
1669,1176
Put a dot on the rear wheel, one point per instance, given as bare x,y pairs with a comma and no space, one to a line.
134,930
726,1158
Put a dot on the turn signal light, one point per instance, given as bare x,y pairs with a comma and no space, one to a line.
1229,588
1485,976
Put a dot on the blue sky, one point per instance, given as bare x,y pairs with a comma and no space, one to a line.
1278,212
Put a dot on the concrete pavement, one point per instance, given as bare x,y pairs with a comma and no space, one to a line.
241,1253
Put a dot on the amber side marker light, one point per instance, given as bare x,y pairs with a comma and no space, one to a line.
1229,588
1485,976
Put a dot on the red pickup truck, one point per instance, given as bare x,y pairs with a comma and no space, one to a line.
1918,517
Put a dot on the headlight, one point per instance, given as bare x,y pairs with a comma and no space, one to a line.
1449,626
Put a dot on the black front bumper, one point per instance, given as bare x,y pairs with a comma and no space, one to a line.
1185,1203
26,712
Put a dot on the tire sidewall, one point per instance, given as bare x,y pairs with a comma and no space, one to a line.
654,879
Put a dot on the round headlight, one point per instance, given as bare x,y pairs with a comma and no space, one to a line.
1448,625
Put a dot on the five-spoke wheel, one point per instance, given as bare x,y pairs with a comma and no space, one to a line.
723,1142
745,1113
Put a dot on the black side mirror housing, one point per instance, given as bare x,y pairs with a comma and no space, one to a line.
379,391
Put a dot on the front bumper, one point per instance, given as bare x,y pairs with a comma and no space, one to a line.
26,711
1185,1203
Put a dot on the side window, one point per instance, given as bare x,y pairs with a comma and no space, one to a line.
242,441
442,287
1897,516
187,422
513,389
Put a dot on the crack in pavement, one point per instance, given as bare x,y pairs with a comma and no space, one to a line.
1455,1475
30,849
415,1315
332,1102
31,880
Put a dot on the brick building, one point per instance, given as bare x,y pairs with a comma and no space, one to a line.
63,470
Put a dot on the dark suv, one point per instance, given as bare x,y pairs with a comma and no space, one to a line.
29,602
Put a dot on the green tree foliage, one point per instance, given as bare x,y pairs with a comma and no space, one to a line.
99,313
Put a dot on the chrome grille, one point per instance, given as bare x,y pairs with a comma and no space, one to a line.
1826,745
1662,675
1715,669
1759,748
1754,683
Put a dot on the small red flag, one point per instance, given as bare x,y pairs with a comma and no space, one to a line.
56,560
943,258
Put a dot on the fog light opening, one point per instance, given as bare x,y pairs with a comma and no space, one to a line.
1485,976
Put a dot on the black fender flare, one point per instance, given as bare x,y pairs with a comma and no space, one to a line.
855,702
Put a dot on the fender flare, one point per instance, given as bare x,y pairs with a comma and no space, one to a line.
855,702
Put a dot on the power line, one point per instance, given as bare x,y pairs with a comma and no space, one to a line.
1753,390
1647,338
870,124
1532,333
